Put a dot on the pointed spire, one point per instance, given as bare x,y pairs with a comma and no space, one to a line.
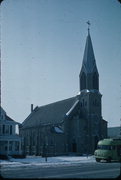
89,59
89,76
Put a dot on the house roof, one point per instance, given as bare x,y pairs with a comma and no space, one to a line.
114,132
7,118
2,110
53,113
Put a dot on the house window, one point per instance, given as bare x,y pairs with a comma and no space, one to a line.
10,145
5,145
3,129
0,130
7,129
6,148
10,129
16,145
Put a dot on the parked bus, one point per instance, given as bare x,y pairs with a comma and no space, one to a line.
108,149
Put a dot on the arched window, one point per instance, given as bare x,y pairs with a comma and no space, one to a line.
95,103
83,81
95,81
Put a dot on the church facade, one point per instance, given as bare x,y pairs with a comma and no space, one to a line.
73,125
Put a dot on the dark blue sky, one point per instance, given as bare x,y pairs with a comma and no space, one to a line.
42,45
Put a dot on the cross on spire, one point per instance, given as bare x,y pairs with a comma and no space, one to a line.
88,22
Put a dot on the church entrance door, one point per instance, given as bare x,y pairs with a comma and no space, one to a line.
74,147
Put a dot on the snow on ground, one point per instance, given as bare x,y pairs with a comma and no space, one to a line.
41,161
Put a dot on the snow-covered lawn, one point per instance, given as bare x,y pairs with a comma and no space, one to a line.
38,160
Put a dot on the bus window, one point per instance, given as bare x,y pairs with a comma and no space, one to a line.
105,147
113,147
119,150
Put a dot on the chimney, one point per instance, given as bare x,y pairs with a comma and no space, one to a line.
31,108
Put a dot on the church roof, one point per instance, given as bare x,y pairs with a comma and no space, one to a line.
53,113
89,63
73,108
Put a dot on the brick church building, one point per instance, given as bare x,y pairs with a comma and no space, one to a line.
72,125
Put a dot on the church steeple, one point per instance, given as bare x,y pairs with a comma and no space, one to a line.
89,77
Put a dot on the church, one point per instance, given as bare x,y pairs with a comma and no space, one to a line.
69,126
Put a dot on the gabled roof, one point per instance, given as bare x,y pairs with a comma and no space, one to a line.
6,117
53,113
2,110
89,63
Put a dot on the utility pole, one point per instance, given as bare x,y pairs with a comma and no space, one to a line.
120,135
120,147
120,122
0,62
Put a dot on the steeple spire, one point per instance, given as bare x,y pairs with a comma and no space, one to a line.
89,58
89,73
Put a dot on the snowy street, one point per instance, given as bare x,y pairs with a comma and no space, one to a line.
58,167
41,161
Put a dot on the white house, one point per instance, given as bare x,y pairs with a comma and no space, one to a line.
10,141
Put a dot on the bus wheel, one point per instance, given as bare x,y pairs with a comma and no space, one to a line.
97,160
109,159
